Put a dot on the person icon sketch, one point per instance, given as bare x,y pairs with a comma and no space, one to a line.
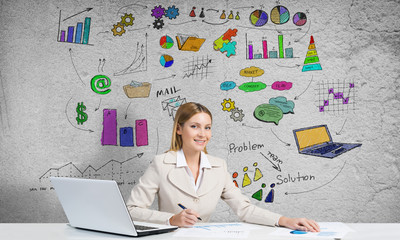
270,196
192,13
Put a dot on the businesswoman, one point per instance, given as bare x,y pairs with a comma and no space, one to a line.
188,176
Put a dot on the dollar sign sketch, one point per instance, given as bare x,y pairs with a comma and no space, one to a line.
82,117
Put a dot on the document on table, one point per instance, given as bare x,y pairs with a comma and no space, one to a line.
217,230
328,230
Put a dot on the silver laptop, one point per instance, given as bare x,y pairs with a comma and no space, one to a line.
98,205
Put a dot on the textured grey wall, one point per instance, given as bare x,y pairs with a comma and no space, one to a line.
43,80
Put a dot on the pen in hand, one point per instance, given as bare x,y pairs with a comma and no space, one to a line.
183,207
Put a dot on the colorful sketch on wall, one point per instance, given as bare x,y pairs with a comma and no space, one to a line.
299,19
225,44
101,84
109,134
229,106
166,42
158,12
317,141
276,53
280,15
230,16
311,63
252,86
198,68
166,60
172,105
336,96
78,35
139,63
274,110
137,89
281,85
82,116
189,42
258,18
126,21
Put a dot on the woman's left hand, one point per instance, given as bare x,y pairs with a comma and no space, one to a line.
302,224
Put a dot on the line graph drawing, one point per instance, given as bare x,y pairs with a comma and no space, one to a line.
198,68
336,96
139,63
113,170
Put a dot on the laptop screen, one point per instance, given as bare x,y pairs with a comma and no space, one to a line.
312,136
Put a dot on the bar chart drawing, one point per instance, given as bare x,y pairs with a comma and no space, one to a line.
76,34
109,134
276,53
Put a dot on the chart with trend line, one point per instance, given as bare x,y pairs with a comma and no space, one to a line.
336,96
199,67
113,170
77,33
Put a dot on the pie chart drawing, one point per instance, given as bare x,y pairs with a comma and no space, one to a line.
258,18
166,60
280,15
299,19
166,42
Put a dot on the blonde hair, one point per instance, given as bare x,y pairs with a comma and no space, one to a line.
184,113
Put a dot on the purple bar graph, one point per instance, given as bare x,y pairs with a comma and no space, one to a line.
250,51
141,133
62,39
109,134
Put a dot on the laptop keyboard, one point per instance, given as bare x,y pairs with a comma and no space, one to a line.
141,227
325,149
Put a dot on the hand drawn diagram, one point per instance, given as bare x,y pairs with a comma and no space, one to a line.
311,63
274,110
126,21
78,35
139,63
317,141
276,53
172,105
236,113
109,134
225,44
336,96
198,68
252,86
120,171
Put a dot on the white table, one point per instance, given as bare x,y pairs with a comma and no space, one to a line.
61,231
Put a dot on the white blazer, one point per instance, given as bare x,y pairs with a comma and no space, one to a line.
172,186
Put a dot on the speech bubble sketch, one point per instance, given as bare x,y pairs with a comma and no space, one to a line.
251,72
252,86
268,113
281,102
227,85
282,85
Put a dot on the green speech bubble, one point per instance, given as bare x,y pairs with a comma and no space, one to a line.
281,102
268,113
252,86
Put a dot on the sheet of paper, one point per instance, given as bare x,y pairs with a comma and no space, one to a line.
216,230
328,230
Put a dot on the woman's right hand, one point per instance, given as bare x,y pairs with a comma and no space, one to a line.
186,217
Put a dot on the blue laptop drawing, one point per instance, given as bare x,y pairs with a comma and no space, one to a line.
317,141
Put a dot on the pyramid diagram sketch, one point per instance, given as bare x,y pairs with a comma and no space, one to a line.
311,63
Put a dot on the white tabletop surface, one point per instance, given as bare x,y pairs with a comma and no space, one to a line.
61,231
